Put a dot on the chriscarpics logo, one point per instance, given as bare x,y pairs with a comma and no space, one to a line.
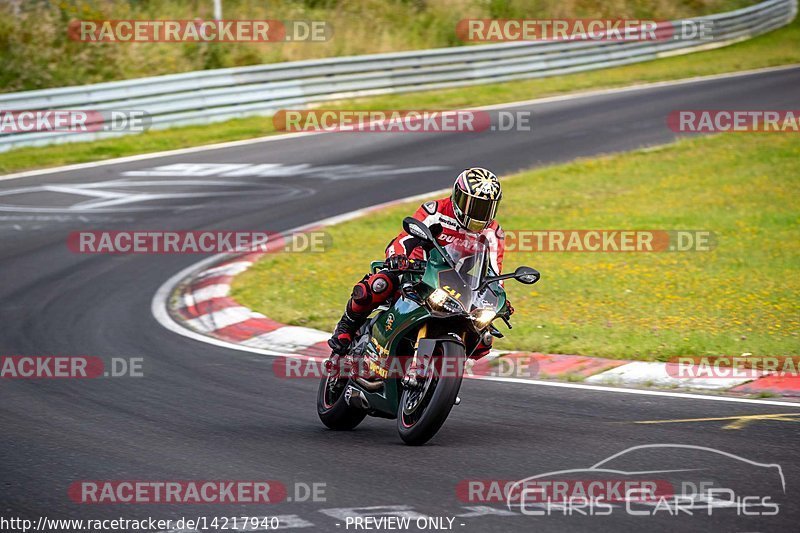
654,480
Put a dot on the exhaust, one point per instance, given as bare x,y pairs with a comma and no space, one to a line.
355,398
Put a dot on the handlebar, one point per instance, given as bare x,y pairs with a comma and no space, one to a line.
414,267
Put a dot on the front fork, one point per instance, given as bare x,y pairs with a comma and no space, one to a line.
410,380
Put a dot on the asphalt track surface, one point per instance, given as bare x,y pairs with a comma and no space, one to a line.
202,412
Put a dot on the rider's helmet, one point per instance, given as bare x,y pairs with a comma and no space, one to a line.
476,195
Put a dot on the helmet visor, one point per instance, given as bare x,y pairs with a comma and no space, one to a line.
480,210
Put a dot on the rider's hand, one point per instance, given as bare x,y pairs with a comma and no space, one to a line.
509,309
397,262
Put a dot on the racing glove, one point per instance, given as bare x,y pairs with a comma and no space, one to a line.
397,262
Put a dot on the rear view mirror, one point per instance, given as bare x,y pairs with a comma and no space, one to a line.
414,227
527,275
523,274
421,231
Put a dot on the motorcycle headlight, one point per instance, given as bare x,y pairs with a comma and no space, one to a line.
483,317
441,301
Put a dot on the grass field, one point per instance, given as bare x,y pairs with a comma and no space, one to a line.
779,47
742,297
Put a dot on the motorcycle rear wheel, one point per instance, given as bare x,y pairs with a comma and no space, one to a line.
332,408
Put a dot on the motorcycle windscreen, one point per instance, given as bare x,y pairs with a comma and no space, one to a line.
470,268
469,257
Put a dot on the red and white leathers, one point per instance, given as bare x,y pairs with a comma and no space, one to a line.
375,289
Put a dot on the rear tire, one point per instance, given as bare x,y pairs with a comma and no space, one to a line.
332,409
420,425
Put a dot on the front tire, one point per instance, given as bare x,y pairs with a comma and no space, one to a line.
422,412
332,408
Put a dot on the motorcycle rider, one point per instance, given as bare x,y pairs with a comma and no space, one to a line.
467,213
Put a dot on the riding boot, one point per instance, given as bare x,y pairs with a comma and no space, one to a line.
345,330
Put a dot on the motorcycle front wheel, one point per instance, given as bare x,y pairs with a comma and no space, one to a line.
423,409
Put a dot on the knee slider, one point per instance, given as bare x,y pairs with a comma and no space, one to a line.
380,284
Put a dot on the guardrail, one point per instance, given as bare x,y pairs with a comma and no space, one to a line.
215,95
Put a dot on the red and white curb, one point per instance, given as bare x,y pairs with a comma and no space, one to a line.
202,303
663,375
196,303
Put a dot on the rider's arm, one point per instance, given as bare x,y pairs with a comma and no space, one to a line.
405,244
498,250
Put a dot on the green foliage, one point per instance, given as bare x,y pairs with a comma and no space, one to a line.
775,48
36,52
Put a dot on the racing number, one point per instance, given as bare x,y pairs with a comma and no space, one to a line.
452,292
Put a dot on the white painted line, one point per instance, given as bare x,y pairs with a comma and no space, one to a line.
289,136
154,155
288,338
158,308
640,392
228,269
647,373
222,318
220,290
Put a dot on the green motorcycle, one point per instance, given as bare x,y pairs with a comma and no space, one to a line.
407,361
